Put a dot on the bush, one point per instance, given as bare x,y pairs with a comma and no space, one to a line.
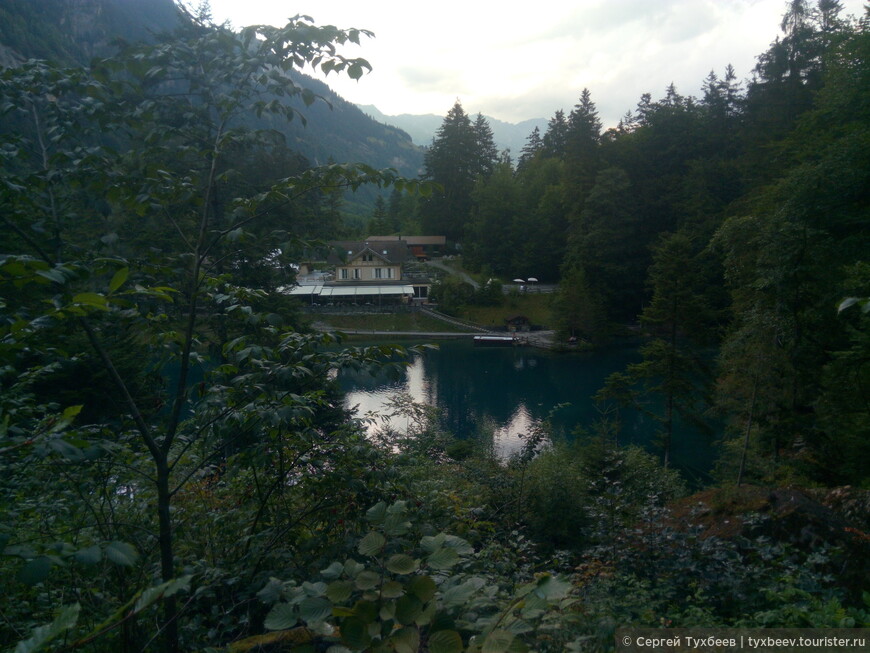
581,494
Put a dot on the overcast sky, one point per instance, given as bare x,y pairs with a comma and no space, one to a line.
514,61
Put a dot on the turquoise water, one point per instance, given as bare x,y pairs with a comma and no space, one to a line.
510,389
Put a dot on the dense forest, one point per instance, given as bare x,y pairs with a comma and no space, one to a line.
177,470
737,221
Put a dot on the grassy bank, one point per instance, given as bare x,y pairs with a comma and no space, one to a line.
388,322
535,306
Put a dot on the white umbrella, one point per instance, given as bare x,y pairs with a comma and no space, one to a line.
531,279
518,281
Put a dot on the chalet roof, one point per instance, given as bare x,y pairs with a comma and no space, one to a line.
346,251
322,290
411,240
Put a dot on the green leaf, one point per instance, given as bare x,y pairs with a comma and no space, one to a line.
118,279
498,641
121,553
402,564
281,617
428,613
91,299
354,633
366,610
52,275
443,559
314,609
353,568
371,544
408,608
89,556
405,640
392,589
332,571
65,449
445,641
35,571
458,544
368,579
459,594
377,512
71,411
42,635
154,594
846,303
534,605
339,591
423,587
551,588
431,543
396,524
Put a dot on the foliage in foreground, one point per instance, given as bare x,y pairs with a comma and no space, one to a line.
170,443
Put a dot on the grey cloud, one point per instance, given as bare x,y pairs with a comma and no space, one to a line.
429,79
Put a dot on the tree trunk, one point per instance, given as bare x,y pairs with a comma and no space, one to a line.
167,556
748,430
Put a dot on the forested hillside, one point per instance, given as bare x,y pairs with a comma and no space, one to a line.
177,468
737,220
422,128
75,31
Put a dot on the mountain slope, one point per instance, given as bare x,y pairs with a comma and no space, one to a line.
422,128
72,32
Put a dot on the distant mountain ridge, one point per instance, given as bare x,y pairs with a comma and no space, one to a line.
422,127
72,32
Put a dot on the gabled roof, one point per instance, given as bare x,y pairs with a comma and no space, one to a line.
411,240
343,252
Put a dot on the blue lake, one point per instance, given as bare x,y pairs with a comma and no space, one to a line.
507,390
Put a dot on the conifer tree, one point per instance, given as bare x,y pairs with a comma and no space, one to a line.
534,145
556,138
582,154
461,152
677,319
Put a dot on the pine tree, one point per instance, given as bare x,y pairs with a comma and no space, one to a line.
534,145
605,241
556,138
379,224
487,152
582,150
455,160
678,318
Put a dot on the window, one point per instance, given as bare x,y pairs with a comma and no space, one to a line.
344,273
379,273
356,274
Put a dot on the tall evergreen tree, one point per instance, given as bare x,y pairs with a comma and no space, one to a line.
790,261
533,147
379,224
555,139
490,239
459,154
582,156
487,152
677,319
605,241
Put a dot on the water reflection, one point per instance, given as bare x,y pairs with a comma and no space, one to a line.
508,391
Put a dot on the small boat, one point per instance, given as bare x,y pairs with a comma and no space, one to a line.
494,341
